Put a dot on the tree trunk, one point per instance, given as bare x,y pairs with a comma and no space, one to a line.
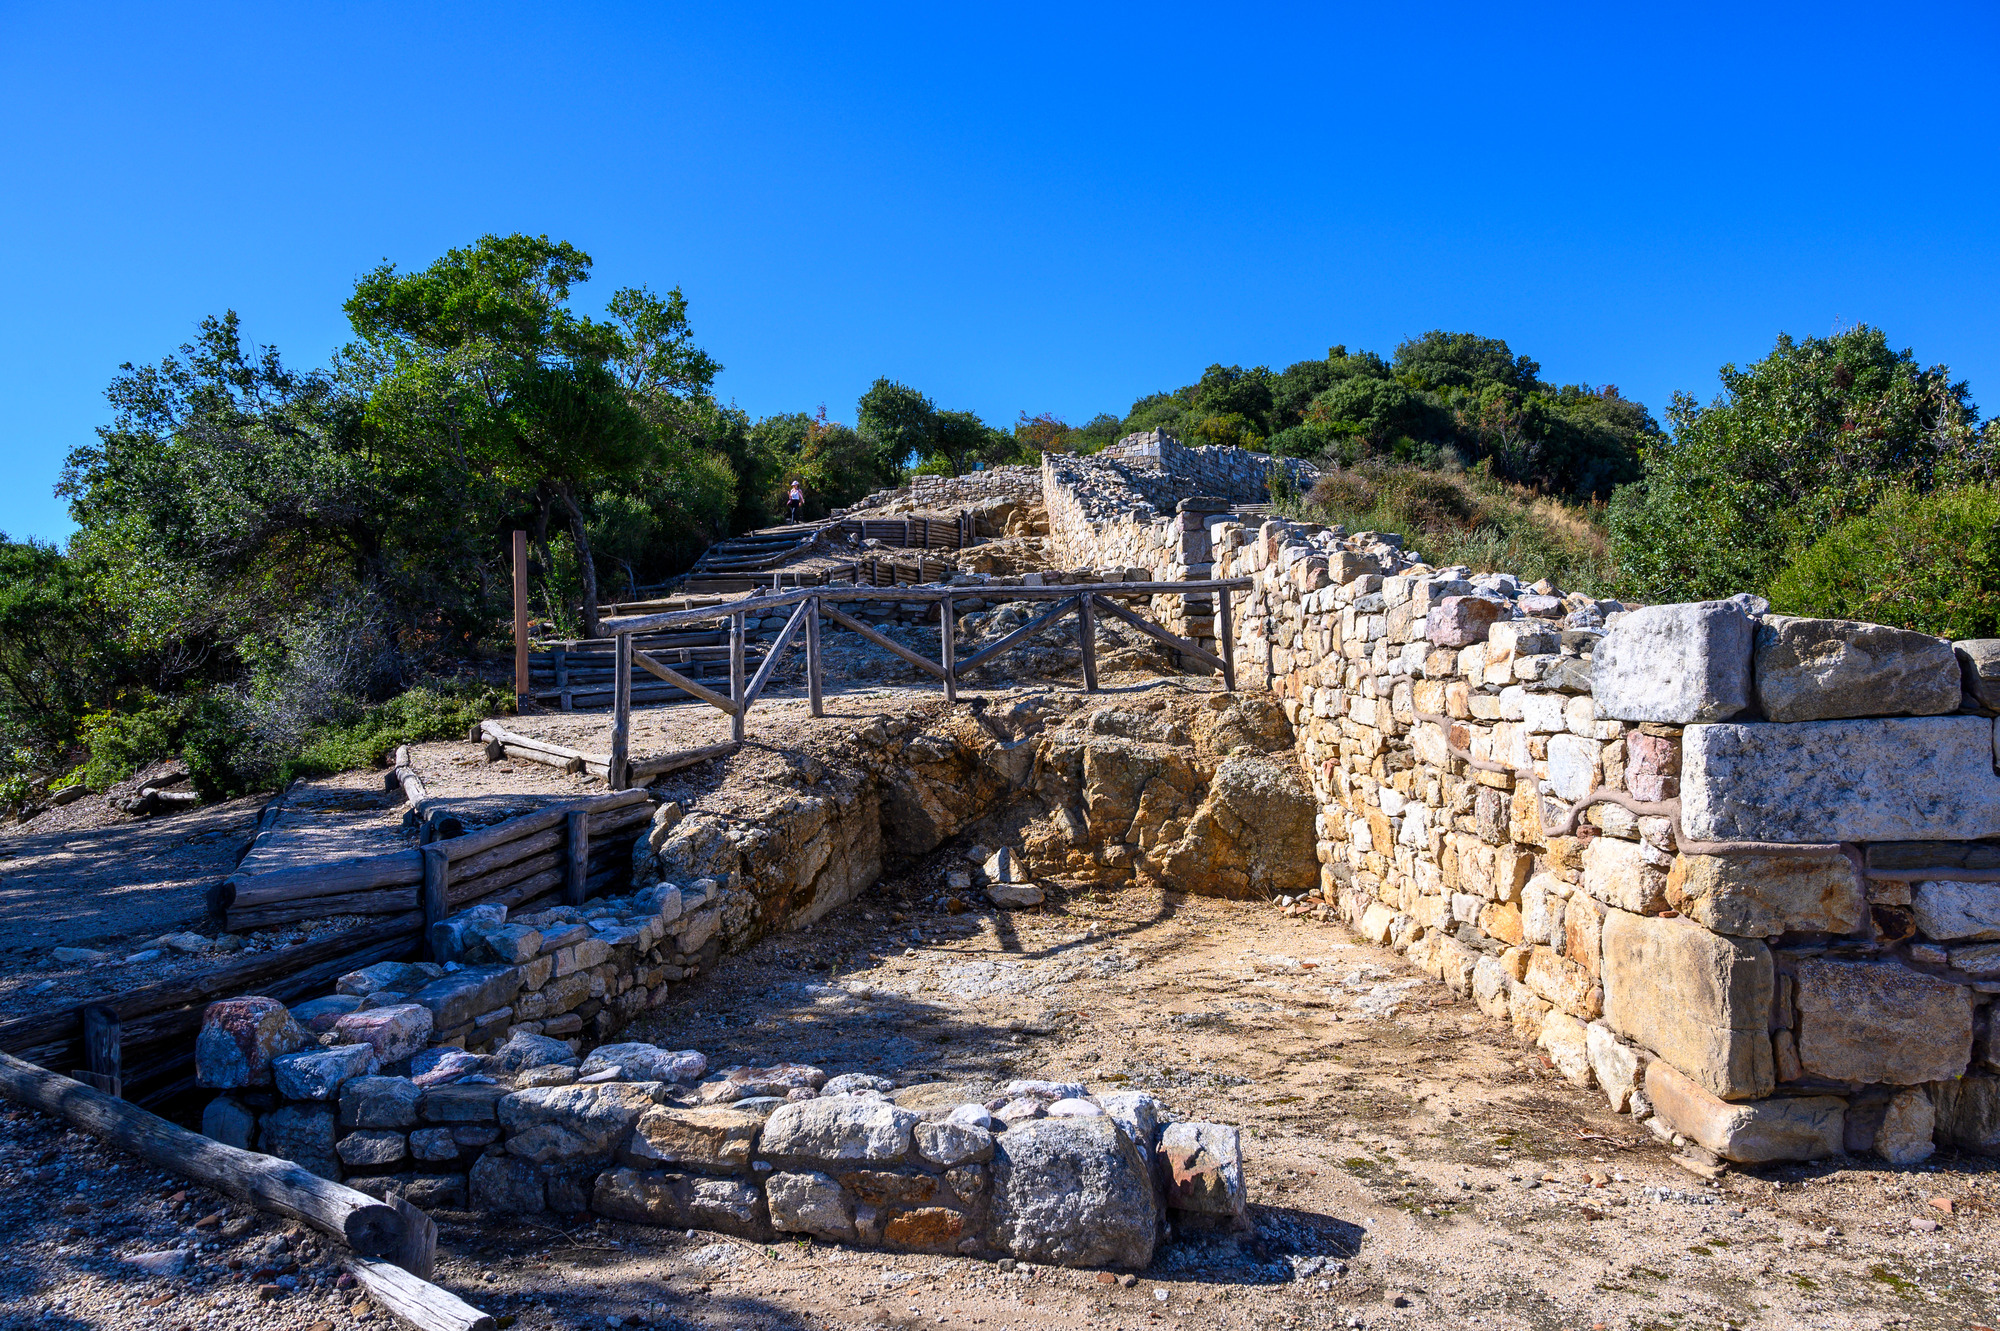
585,562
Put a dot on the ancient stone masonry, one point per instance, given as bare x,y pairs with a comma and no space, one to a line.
947,494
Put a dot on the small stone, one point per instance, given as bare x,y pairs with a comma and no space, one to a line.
318,1074
1073,1108
849,1082
810,1203
165,1263
1908,1129
1004,866
1203,1164
1015,896
372,1147
318,1015
1460,621
949,1143
379,1102
394,1033
434,1145
444,1065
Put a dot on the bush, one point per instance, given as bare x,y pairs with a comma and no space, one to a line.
120,743
1925,562
444,711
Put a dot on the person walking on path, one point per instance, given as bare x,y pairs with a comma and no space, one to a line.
795,502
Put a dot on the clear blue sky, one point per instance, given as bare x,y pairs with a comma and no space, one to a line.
1045,208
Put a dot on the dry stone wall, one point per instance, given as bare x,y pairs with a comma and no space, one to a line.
1739,871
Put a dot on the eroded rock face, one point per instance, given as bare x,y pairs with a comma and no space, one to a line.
1762,896
1869,1021
1699,1000
1072,1192
1679,664
1820,669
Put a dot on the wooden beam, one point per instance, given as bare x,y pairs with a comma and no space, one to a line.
435,898
1032,627
813,663
418,1302
103,1050
520,619
367,1226
621,714
848,621
579,857
1225,638
948,648
774,652
736,676
700,691
673,762
1179,644
1086,633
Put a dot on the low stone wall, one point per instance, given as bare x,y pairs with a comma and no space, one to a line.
946,494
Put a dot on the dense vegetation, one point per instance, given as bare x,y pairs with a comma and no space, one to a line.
281,571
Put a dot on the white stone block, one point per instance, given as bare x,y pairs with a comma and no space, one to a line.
1680,664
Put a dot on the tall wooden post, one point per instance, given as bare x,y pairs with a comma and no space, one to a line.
577,872
621,710
948,648
562,676
104,1050
435,893
1225,639
736,674
1086,629
812,658
520,621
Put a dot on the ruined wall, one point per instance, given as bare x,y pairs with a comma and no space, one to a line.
1691,851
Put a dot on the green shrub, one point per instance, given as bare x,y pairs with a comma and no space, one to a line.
444,711
1927,562
120,743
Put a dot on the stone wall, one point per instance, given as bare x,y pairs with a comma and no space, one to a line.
948,494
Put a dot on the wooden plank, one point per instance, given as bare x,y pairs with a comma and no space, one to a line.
551,815
699,691
1086,633
418,1253
736,676
771,655
1027,630
813,664
562,679
436,893
621,715
579,858
1179,644
848,621
520,618
362,1223
418,1302
395,869
1225,638
948,648
104,1049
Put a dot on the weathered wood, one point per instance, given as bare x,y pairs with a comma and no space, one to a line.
579,858
814,667
562,678
686,685
621,715
890,645
520,619
472,843
649,768
468,867
1086,635
1225,638
460,893
418,1253
948,648
103,1050
736,676
772,654
1027,630
521,753
418,1302
1179,644
358,874
362,1223
436,892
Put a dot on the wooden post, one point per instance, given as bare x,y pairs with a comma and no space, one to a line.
1086,628
1225,638
434,892
103,1050
520,621
562,675
909,532
812,658
621,711
578,870
736,683
948,648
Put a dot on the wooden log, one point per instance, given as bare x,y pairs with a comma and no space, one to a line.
1225,638
610,824
1027,630
550,815
1179,644
468,867
577,869
852,624
418,1302
736,676
103,1050
435,895
649,768
1086,633
562,679
814,666
621,716
365,1225
771,656
527,755
686,685
494,730
358,874
948,648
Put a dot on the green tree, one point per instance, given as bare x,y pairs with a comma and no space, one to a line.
1810,436
1929,562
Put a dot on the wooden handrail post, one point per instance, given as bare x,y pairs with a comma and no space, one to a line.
948,648
562,676
812,658
1225,638
577,872
520,620
1086,630
621,708
434,893
736,682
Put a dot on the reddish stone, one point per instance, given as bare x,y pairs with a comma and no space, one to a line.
1460,621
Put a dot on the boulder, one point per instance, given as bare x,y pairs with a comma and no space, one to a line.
569,1121
1908,1127
849,1083
778,1079
682,1201
394,1033
810,1203
524,1050
1950,911
1762,896
318,1074
1460,621
466,1102
1699,1000
1979,670
240,1039
1968,1114
1004,866
460,997
713,1139
400,977
645,1062
1201,1168
1567,1043
1896,779
318,1014
1072,1192
228,1120
445,1065
842,1127
947,1143
1820,669
1139,1114
304,1134
379,1102
1805,1127
1680,664
1881,1021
